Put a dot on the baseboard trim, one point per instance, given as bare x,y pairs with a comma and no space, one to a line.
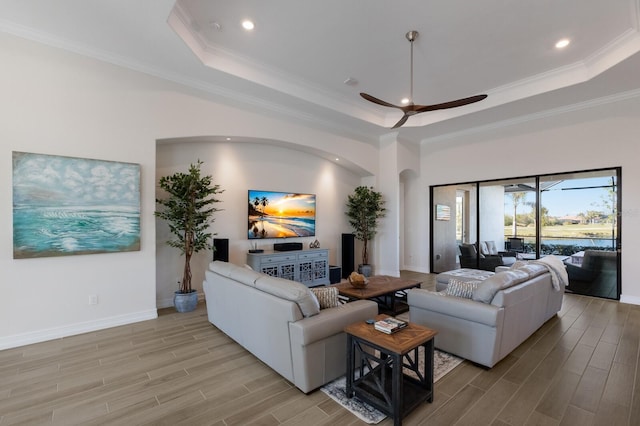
71,330
414,268
632,300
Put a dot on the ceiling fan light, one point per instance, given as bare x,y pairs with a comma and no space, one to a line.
405,101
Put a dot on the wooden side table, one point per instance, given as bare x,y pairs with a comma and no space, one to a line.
379,377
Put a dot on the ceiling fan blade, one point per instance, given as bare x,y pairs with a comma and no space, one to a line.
377,101
450,104
401,122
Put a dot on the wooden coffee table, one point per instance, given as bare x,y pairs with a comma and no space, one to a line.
378,377
389,292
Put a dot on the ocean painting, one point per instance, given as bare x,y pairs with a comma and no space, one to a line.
68,206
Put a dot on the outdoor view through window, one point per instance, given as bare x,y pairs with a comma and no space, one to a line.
578,212
573,216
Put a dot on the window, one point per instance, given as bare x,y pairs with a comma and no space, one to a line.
571,215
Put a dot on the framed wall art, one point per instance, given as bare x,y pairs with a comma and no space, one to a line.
68,206
443,212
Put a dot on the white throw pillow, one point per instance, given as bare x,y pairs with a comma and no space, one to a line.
483,248
491,247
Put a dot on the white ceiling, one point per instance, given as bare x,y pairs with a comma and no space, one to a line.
294,63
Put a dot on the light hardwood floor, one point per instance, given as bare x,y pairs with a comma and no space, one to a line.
580,368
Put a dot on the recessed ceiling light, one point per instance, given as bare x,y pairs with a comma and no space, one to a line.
561,44
228,139
404,101
248,25
337,159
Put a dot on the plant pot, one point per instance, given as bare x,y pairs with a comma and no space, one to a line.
185,302
365,270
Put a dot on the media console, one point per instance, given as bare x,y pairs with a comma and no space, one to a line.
310,267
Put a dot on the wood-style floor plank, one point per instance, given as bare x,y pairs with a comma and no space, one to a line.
580,368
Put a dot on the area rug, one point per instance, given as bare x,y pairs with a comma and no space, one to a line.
443,363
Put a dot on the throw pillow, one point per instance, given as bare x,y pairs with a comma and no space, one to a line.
491,248
327,296
484,249
461,288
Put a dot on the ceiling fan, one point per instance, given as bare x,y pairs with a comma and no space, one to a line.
412,109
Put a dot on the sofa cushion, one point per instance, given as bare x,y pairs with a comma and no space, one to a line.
290,290
488,288
327,296
468,250
460,288
241,274
222,268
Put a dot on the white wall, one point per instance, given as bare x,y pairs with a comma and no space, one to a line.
55,102
492,214
238,167
598,137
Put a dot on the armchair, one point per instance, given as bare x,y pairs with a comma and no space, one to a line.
470,258
488,248
597,274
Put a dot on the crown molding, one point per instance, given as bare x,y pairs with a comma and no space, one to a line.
618,97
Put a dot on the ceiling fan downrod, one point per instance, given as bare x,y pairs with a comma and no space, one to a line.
411,36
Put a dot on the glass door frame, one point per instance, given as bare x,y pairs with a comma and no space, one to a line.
617,171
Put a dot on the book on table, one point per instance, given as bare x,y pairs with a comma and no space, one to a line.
390,325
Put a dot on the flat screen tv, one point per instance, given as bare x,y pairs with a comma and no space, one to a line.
281,214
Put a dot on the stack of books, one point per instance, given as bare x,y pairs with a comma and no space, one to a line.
390,325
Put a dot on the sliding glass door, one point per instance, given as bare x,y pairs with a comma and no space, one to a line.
579,223
573,216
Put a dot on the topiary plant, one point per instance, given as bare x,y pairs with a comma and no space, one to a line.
364,207
189,210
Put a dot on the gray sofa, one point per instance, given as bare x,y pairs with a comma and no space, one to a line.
505,309
279,321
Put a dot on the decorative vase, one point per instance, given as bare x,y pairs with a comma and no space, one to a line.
365,270
185,302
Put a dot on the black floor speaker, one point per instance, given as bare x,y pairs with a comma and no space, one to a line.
221,249
348,254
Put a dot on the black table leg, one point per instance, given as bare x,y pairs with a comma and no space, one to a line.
350,366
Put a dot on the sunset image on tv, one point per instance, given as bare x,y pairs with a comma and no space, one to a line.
281,214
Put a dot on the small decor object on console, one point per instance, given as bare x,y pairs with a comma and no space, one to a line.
390,325
358,280
254,249
315,244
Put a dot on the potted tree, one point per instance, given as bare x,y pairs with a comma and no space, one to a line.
188,209
364,207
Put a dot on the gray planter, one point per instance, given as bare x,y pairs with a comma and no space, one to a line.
365,270
185,302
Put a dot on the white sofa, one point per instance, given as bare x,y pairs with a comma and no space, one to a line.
279,321
505,309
